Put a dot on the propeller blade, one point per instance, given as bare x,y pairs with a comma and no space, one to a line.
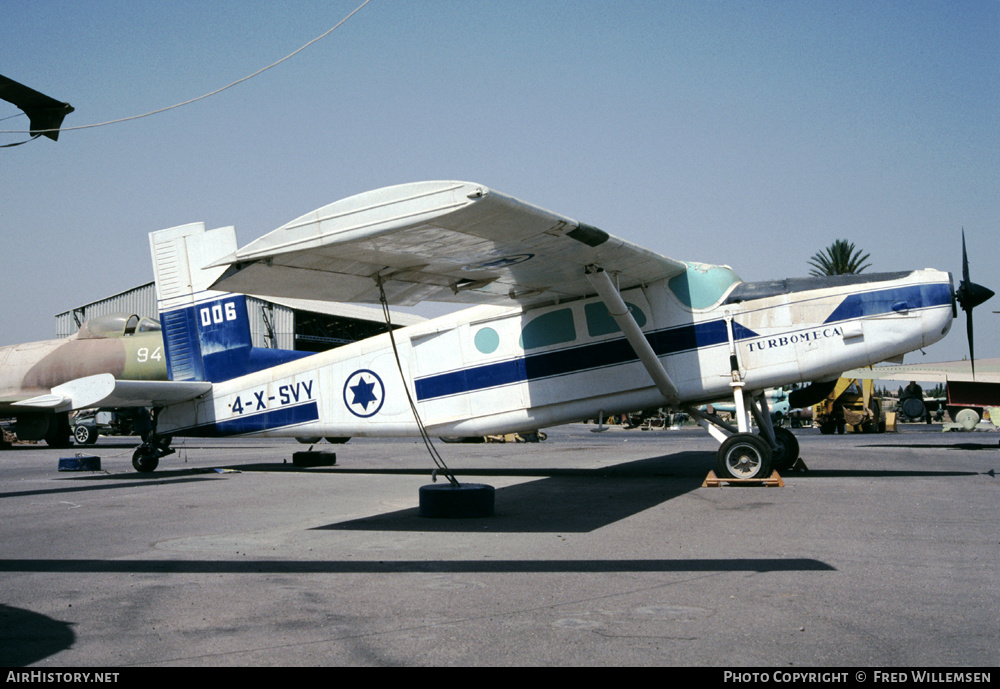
965,260
968,332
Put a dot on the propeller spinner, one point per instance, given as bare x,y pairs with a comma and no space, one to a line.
970,295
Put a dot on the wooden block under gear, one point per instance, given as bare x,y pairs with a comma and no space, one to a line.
713,481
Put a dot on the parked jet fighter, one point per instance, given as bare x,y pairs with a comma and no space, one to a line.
572,323
122,345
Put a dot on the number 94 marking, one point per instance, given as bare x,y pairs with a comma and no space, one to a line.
142,355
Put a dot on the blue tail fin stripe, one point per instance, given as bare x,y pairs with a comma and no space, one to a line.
211,341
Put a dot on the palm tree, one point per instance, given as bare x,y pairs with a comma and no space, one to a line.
840,258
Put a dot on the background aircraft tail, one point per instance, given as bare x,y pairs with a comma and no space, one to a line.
206,333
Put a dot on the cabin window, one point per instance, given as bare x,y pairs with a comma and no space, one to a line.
600,321
702,285
550,328
487,340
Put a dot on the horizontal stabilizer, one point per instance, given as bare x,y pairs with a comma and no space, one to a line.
103,390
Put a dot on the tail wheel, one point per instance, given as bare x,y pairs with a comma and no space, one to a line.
143,462
744,455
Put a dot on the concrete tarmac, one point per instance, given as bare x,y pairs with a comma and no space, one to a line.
605,550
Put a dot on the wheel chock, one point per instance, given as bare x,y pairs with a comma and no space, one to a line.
80,462
713,481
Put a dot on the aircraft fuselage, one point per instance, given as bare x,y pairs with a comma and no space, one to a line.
491,369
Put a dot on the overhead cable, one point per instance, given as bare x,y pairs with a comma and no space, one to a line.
194,100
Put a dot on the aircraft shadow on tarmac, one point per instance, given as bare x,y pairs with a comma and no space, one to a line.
562,500
27,637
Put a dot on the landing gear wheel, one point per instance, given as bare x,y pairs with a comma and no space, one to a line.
85,435
744,455
337,440
144,462
787,451
59,432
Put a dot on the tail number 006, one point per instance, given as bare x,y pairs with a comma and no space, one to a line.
218,313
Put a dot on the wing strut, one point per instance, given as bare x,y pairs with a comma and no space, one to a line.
598,277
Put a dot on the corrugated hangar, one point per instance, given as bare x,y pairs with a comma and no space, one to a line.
299,324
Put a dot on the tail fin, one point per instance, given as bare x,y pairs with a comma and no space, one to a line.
206,333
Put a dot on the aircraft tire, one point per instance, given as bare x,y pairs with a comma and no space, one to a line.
85,435
784,457
337,441
744,455
445,500
308,441
59,432
143,463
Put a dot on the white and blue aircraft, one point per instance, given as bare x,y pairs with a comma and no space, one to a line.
570,323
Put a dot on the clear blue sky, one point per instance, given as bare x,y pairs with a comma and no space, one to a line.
752,134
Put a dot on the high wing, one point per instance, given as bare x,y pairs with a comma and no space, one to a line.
103,390
987,371
436,241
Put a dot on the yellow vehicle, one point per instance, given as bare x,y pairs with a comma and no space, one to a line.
851,404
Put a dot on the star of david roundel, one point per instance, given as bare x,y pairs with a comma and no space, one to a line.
364,393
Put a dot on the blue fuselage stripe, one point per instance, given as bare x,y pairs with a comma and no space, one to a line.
899,299
255,423
571,360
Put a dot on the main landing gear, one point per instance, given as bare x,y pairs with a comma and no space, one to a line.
147,456
743,454
746,455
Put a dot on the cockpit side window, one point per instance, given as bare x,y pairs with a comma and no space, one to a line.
702,285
